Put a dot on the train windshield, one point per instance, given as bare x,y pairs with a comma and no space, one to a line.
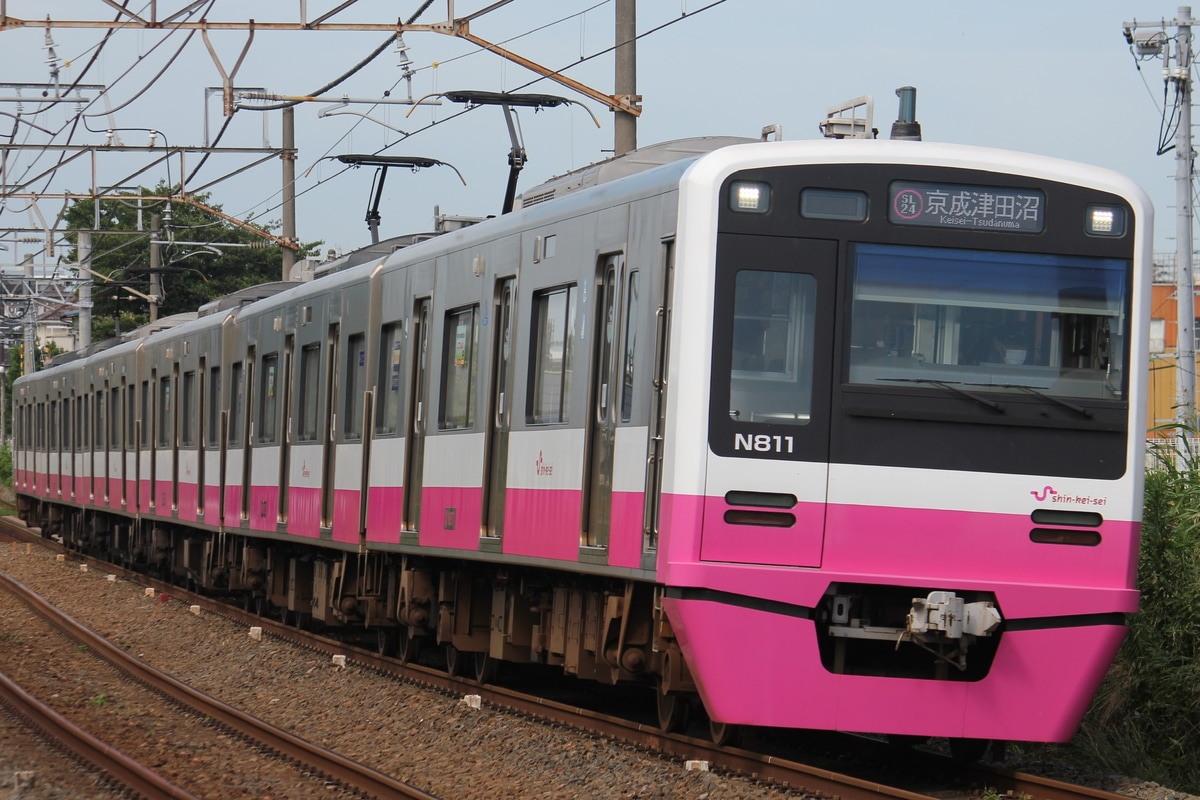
985,321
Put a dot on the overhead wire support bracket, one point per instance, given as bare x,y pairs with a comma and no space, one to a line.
460,28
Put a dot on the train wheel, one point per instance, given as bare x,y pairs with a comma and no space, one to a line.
724,734
968,751
673,712
385,641
485,667
454,661
408,647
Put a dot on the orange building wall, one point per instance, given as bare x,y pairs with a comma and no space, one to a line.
1160,407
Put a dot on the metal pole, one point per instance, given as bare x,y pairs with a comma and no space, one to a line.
85,289
625,78
288,156
155,265
30,320
1185,357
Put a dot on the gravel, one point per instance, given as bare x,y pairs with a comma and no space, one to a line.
425,738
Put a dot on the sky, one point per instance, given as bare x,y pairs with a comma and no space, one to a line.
1052,78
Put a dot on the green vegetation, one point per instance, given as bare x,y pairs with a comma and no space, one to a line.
202,255
99,701
1145,721
10,638
6,464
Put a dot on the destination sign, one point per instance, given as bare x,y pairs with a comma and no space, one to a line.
949,205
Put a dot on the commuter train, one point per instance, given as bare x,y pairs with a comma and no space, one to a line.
840,435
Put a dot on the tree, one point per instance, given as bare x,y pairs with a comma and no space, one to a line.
227,258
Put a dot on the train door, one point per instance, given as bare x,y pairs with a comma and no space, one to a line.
173,435
54,462
769,412
329,437
414,461
602,424
201,439
152,414
285,439
658,408
247,433
116,448
496,479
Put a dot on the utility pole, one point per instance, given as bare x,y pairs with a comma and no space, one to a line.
1148,41
85,290
288,156
155,266
625,77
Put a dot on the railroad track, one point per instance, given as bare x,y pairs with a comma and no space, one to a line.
138,778
780,770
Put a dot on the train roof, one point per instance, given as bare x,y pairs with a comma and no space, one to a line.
622,166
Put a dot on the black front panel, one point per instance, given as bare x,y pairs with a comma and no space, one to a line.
922,317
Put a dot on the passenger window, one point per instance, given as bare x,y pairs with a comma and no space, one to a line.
387,405
237,401
356,371
552,355
99,423
145,406
310,392
631,312
268,399
114,419
164,412
458,370
187,411
774,321
213,431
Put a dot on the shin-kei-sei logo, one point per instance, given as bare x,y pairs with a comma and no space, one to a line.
543,469
1040,496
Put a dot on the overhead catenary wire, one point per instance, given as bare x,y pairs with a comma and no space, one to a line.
435,123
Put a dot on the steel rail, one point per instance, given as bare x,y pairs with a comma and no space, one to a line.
122,769
326,762
648,737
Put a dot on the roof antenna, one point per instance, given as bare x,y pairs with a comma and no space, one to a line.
906,126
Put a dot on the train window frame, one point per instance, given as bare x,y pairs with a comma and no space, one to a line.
147,433
459,352
99,421
993,321
791,326
53,427
237,402
163,400
356,383
543,353
115,438
67,442
268,399
212,435
389,381
187,405
629,362
309,396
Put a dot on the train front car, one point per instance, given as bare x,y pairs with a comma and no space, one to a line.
904,467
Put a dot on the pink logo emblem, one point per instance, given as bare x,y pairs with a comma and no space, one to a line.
1047,491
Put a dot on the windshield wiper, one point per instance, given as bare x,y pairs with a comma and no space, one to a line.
1080,410
950,387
